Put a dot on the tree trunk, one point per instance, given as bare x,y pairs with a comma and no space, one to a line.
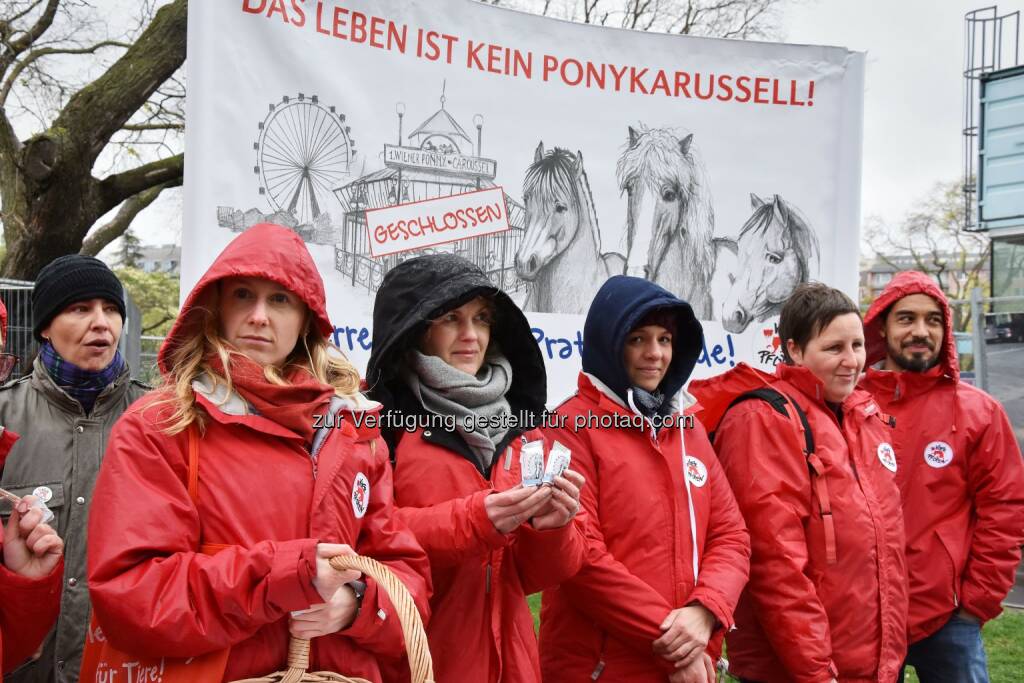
50,198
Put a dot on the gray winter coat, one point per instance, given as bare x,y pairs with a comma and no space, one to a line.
60,449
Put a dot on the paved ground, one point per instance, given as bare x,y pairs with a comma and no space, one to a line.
1006,383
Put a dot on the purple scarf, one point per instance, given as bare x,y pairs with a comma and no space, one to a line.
82,385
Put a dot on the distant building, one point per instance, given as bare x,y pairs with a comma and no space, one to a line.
165,258
876,272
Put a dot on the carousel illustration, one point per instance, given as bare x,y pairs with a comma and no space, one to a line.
437,159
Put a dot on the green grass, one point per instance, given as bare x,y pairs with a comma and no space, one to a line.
1004,644
534,602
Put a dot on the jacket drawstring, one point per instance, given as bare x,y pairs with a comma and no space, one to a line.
689,502
956,403
686,479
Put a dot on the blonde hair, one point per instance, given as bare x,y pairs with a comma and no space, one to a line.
188,360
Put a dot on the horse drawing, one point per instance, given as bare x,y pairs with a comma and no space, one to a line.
776,250
560,255
669,218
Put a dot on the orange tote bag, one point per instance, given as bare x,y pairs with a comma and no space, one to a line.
103,663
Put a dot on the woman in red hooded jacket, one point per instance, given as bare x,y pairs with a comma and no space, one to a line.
667,552
827,598
249,370
31,567
457,368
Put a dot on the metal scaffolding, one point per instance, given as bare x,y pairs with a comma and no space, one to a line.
991,43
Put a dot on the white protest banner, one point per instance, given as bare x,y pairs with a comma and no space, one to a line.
433,222
726,171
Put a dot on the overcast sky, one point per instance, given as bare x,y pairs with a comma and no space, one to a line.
913,100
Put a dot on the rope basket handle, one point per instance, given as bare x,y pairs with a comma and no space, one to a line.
416,646
408,616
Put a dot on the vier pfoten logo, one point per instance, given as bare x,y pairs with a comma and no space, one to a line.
887,456
938,454
360,494
696,472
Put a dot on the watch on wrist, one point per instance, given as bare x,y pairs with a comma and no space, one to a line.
359,588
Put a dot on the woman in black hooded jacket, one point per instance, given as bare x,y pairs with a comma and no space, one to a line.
461,379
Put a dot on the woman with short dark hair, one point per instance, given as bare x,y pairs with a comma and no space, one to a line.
811,463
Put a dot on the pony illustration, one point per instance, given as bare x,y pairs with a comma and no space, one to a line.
560,254
669,218
776,250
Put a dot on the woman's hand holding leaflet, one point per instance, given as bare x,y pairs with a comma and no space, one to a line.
563,504
31,548
508,509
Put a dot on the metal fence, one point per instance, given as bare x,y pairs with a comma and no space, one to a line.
148,349
17,297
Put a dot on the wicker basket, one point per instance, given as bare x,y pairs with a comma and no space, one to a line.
412,629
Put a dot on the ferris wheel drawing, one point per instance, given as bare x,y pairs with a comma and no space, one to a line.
303,151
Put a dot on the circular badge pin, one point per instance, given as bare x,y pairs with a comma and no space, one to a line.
696,472
360,495
938,454
43,493
887,456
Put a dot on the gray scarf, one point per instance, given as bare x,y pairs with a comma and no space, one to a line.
445,390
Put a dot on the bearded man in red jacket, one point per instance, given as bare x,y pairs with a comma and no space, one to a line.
960,475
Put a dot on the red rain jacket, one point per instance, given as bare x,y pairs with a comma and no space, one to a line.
800,618
960,473
261,494
481,577
639,564
28,610
28,607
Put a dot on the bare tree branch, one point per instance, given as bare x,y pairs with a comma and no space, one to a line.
138,127
119,187
149,329
99,109
117,226
35,55
13,48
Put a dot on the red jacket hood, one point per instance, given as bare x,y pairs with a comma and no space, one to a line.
266,251
904,284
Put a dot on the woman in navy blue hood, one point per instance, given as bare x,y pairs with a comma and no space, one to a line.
667,553
622,306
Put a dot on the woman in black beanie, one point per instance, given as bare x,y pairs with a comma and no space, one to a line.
63,410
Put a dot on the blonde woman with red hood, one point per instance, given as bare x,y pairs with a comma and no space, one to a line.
960,475
248,367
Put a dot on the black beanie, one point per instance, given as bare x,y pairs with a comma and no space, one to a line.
68,279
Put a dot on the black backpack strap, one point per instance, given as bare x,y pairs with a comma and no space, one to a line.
778,401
